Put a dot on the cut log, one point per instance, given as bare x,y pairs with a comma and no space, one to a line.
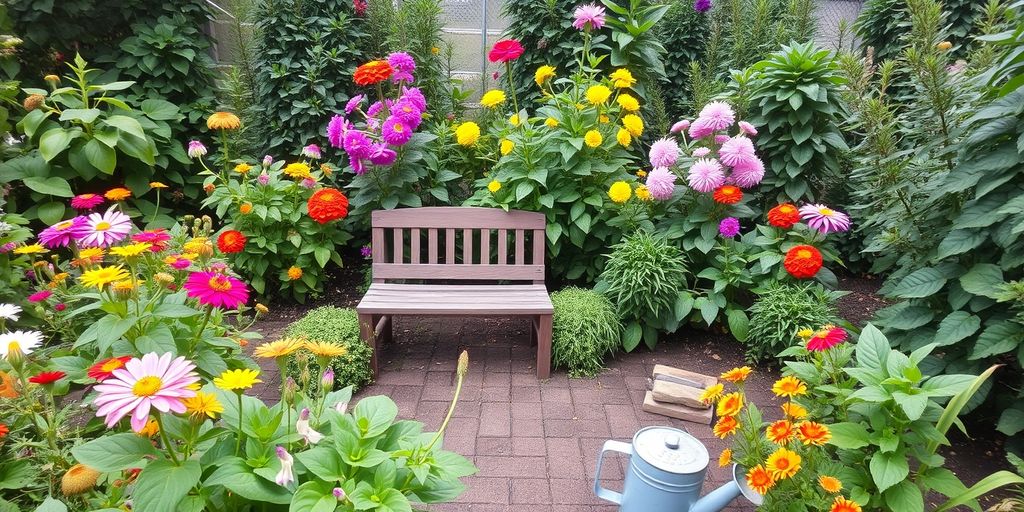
682,412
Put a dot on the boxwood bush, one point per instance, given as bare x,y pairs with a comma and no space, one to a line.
338,325
586,329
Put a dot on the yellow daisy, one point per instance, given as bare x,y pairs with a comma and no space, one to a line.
237,380
279,348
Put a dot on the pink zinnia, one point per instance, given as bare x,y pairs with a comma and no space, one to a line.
736,151
354,103
61,234
395,131
826,339
156,238
748,174
706,175
664,153
661,182
404,65
101,230
414,95
40,296
157,382
86,201
181,263
747,128
680,126
717,115
217,290
825,219
588,17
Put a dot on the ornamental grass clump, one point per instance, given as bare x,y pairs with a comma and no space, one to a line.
781,311
586,329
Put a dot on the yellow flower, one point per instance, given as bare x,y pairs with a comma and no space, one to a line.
245,208
712,392
506,146
623,137
725,458
203,404
810,432
805,333
279,348
620,192
223,121
156,184
628,102
243,168
736,375
634,124
297,170
551,122
603,119
543,74
31,249
294,273
593,138
641,173
326,169
945,45
130,250
783,464
118,194
467,133
79,479
237,380
494,186
435,50
325,348
514,120
598,94
124,286
730,405
580,106
789,386
830,484
100,277
261,308
493,98
52,78
151,429
642,193
622,78
794,410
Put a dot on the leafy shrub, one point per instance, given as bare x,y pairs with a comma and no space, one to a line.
586,328
683,32
781,311
885,24
333,325
643,278
545,25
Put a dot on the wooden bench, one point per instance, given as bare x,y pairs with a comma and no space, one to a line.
418,246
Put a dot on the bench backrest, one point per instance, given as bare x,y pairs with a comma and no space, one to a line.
458,243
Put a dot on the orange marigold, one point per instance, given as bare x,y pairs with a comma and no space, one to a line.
789,386
372,72
7,386
736,375
327,204
842,504
809,432
231,241
802,261
783,464
3,430
780,432
223,121
830,484
730,405
784,216
726,425
725,458
245,208
294,273
760,480
118,194
727,194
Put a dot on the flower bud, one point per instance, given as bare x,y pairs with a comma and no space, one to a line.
267,160
163,278
33,101
463,366
339,493
261,309
327,380
290,388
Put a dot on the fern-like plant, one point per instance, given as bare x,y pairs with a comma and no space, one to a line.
586,328
781,311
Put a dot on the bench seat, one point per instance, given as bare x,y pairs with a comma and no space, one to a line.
470,299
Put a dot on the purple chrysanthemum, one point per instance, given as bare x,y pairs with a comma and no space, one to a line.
701,152
747,128
404,65
358,167
382,155
356,144
408,113
717,115
729,227
336,129
748,173
824,219
354,103
664,153
736,150
706,175
661,182
263,179
366,251
702,5
588,17
62,233
700,128
196,149
374,109
395,132
414,95
680,126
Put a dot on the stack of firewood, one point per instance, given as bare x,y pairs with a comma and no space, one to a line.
676,393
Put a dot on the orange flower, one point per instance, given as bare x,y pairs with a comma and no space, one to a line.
794,410
231,241
726,426
7,386
712,393
789,386
327,204
3,431
223,121
830,484
730,405
809,432
728,194
372,72
783,464
802,261
245,208
118,194
104,369
784,216
760,480
842,504
725,458
151,429
294,273
780,432
736,375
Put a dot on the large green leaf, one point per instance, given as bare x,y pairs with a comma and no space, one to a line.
162,484
849,436
921,283
872,348
55,141
160,110
101,156
51,213
739,325
983,279
888,469
374,415
127,125
115,452
982,488
957,326
905,497
996,339
53,186
960,241
235,475
313,497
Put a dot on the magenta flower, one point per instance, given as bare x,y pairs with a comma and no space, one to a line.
336,129
267,160
826,339
717,115
356,144
60,307
152,382
700,128
62,233
263,178
395,132
196,149
354,103
747,128
86,201
366,251
824,219
664,153
729,227
680,126
414,95
156,238
374,109
661,183
382,155
404,65
721,138
408,113
8,247
737,150
588,17
706,175
181,263
312,151
358,167
749,173
101,230
40,296
702,5
217,290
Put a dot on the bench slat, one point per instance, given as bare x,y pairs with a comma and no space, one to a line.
457,217
414,245
467,246
502,246
485,246
443,271
520,247
449,246
399,245
432,246
456,299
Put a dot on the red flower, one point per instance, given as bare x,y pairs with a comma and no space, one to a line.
505,50
47,377
3,431
727,194
826,339
802,261
360,7
104,369
231,241
784,216
327,204
373,72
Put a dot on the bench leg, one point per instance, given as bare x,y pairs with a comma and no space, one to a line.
366,327
544,347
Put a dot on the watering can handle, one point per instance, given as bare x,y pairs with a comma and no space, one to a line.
601,492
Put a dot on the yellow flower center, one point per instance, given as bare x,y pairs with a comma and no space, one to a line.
803,254
147,386
102,226
64,225
13,347
787,209
826,212
398,127
111,365
220,283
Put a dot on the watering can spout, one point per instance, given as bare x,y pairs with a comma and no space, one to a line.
717,500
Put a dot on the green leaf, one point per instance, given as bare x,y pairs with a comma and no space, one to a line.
85,115
913,405
55,141
50,504
739,324
324,463
631,336
955,327
127,125
849,436
238,478
960,241
983,279
888,469
160,110
373,415
921,283
114,452
982,488
523,190
100,156
996,339
161,485
1011,422
53,185
314,497
905,497
51,213
16,474
872,348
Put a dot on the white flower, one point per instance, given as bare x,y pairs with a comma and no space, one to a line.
10,312
302,427
286,475
341,407
24,341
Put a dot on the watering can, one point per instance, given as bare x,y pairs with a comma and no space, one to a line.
666,474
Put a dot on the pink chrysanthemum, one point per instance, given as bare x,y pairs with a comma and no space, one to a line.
153,382
354,103
395,131
717,115
701,152
414,95
664,153
382,155
86,201
312,151
825,219
336,129
721,138
747,128
61,234
404,65
736,151
680,126
700,128
217,290
661,182
748,174
101,230
588,17
826,339
156,238
706,175
181,263
729,227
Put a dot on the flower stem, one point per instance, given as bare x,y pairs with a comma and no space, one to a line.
511,86
447,418
238,438
166,440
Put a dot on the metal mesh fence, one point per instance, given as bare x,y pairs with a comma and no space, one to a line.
835,21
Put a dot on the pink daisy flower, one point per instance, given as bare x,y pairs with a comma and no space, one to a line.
747,128
826,339
100,230
61,234
217,290
354,103
825,219
414,95
717,115
736,150
588,17
157,382
721,138
196,149
86,201
664,153
661,182
181,263
40,296
312,151
336,129
395,131
156,238
706,175
748,174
